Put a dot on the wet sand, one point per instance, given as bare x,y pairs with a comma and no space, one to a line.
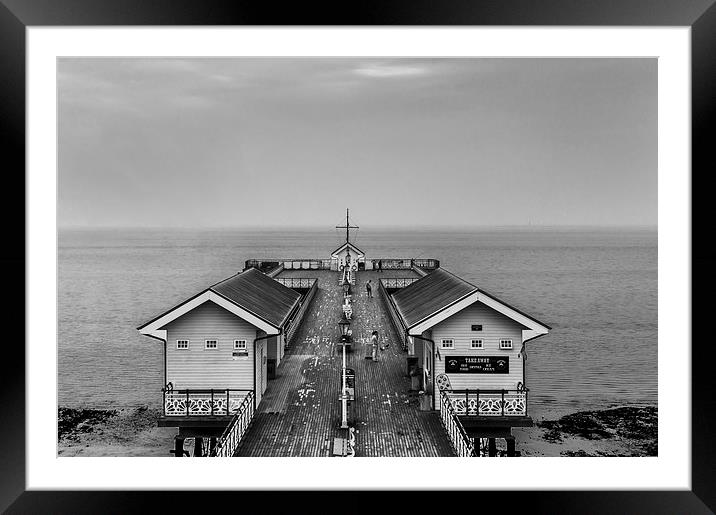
619,432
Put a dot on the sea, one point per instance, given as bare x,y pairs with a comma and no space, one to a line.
596,288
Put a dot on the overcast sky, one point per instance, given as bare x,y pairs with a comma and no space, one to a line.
254,142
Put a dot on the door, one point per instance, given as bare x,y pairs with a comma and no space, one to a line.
260,382
264,372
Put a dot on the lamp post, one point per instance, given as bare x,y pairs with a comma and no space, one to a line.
346,333
344,325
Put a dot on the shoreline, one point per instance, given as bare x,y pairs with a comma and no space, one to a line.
621,431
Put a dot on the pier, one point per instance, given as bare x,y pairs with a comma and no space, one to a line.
300,413
294,357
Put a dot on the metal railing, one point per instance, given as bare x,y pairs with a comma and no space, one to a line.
262,264
427,264
398,282
297,282
291,264
202,402
488,403
398,324
463,445
294,323
229,441
307,264
405,263
333,264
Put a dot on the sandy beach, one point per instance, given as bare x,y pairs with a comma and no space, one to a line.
619,432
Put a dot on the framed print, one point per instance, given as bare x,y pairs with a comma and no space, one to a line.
415,236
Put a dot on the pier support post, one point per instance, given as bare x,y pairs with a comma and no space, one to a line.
491,447
510,446
178,447
198,441
212,444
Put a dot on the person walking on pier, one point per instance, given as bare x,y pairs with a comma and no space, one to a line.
380,265
369,289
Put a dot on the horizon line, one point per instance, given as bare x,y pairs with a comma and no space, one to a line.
381,226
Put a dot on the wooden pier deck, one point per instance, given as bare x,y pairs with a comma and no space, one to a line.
300,412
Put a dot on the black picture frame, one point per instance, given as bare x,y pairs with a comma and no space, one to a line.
17,15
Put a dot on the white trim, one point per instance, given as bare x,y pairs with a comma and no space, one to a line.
359,252
155,328
533,329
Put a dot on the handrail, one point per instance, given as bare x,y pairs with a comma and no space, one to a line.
463,445
405,263
201,402
398,282
488,402
230,439
396,320
332,263
297,282
294,322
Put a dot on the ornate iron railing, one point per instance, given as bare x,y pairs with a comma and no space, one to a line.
463,445
488,403
203,403
398,282
297,282
229,441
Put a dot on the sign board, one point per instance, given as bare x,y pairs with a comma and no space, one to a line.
477,364
477,327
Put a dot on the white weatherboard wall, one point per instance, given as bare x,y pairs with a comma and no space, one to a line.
197,367
495,327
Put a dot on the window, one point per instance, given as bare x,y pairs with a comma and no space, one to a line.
505,344
182,344
211,344
240,350
476,344
448,344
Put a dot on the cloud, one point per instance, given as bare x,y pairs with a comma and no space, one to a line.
390,71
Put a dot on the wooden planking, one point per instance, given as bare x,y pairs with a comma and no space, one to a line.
300,413
495,326
388,422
